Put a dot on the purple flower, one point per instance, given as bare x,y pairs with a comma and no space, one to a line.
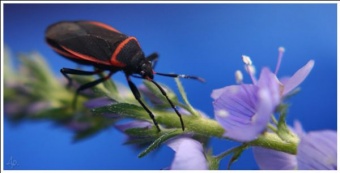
317,150
274,160
290,83
98,102
188,154
133,124
138,140
26,105
245,110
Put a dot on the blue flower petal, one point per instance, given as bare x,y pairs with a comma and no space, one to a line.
298,77
189,154
244,110
218,92
234,110
318,150
298,129
268,159
270,84
98,102
133,124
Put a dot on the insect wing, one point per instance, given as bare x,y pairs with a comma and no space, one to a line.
85,42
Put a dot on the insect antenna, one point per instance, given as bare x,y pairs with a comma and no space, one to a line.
181,76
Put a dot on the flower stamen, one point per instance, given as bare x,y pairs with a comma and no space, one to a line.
249,68
281,51
239,77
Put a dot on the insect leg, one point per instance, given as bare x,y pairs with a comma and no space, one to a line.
66,71
182,76
170,102
89,85
153,58
138,98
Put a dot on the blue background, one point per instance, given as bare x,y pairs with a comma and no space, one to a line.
205,40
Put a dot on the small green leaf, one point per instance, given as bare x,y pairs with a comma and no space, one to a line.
124,109
141,137
9,73
237,153
164,137
109,84
282,129
142,132
38,69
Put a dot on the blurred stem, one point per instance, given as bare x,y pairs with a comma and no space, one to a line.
273,119
272,128
185,98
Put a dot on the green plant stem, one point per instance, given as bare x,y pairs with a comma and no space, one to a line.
185,98
198,125
211,128
272,141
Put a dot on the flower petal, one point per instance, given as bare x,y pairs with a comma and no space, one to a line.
268,97
189,154
297,78
218,92
98,102
268,159
318,150
235,109
298,129
133,124
269,82
244,111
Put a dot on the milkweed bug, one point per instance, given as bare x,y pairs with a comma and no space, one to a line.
102,46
